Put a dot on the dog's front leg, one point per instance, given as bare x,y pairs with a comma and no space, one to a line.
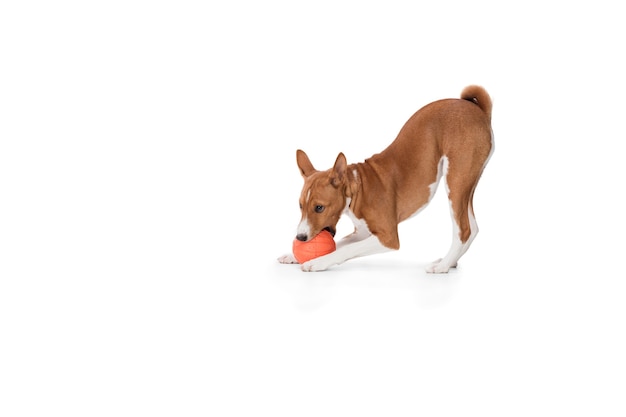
357,236
287,258
368,246
361,231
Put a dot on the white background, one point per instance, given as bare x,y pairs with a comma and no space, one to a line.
148,184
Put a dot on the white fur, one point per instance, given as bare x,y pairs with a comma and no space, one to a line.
303,227
361,231
287,258
442,168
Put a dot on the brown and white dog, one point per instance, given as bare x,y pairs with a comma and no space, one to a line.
450,137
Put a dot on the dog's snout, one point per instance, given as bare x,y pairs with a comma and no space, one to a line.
301,237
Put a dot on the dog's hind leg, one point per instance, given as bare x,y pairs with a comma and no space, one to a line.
464,231
464,226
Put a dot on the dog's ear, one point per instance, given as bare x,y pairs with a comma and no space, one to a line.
305,165
339,170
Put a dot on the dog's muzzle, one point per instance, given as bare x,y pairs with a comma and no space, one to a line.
303,237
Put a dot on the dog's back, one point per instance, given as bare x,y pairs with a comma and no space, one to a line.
458,130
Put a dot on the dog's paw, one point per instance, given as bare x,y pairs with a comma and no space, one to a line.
287,258
314,265
439,267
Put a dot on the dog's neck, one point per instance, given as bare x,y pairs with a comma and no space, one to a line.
353,183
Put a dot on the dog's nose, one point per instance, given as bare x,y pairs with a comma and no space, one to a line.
301,237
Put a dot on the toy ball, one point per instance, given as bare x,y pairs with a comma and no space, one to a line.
322,244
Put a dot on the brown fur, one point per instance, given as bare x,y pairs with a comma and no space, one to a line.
391,186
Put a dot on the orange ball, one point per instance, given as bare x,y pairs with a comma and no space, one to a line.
322,244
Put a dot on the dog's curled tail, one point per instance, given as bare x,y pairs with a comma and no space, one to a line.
478,95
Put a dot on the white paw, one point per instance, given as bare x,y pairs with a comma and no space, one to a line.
439,267
315,265
287,259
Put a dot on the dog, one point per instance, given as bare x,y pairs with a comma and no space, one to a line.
449,138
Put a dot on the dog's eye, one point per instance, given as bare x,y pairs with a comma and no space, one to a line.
319,209
300,206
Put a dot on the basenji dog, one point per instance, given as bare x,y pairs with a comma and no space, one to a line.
449,138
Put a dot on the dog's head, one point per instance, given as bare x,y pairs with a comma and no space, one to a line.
323,197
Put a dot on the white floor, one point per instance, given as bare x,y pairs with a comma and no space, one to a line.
148,184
